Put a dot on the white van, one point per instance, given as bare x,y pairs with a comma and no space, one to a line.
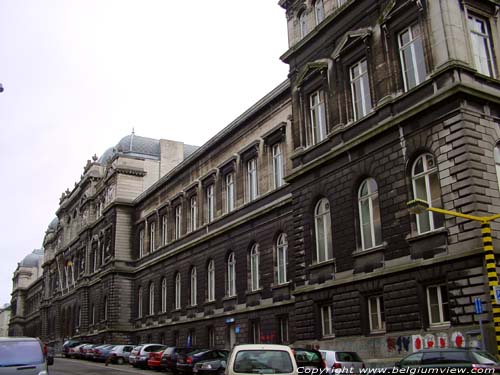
261,359
22,355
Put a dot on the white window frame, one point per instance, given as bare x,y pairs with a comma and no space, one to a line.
254,268
283,329
231,275
211,281
141,246
370,198
317,117
281,259
139,303
481,45
252,186
178,291
211,337
376,314
429,171
360,82
178,221
322,224
278,165
303,26
255,331
319,11
152,228
194,287
193,213
229,179
151,299
327,320
441,304
410,47
210,199
164,227
164,295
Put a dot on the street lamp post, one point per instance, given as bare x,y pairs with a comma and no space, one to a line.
418,206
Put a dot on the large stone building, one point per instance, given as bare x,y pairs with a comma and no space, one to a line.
291,224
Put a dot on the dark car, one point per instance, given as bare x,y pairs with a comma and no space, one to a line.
210,367
169,358
68,345
451,358
186,362
309,358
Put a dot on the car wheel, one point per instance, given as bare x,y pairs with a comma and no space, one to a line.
120,361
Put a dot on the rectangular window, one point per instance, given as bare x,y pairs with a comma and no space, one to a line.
191,337
193,214
255,331
210,200
411,53
152,237
178,221
164,230
376,313
317,113
141,245
437,304
211,337
481,45
283,329
229,192
252,179
360,89
277,166
327,320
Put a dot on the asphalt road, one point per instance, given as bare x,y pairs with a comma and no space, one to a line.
64,366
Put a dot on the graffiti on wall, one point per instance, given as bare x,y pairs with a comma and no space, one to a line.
439,340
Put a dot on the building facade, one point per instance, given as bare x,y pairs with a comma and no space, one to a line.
291,224
4,320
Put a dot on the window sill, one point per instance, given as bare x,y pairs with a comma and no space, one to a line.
415,236
228,298
439,326
252,292
325,263
328,337
286,284
361,252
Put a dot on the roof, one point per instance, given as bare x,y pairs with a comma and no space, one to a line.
33,259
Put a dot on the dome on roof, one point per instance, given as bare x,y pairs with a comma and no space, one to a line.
134,144
107,156
32,260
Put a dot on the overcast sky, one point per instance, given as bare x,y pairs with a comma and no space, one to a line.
80,74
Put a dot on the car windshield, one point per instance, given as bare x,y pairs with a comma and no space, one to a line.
347,357
484,358
263,362
20,353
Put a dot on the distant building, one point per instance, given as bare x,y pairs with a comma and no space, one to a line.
4,320
291,225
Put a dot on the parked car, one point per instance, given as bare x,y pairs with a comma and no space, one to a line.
86,351
309,358
336,360
476,359
261,359
186,361
102,352
154,360
69,344
120,354
169,357
140,354
75,351
210,367
24,355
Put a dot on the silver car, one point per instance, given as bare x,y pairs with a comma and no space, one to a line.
23,355
336,360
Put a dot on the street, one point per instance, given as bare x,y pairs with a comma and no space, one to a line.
64,366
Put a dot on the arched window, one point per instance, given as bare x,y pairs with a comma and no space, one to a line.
319,11
303,24
139,303
497,162
425,183
323,228
254,268
231,275
281,258
178,291
369,214
194,295
164,294
151,298
211,280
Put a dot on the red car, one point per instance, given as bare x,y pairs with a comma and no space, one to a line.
155,360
